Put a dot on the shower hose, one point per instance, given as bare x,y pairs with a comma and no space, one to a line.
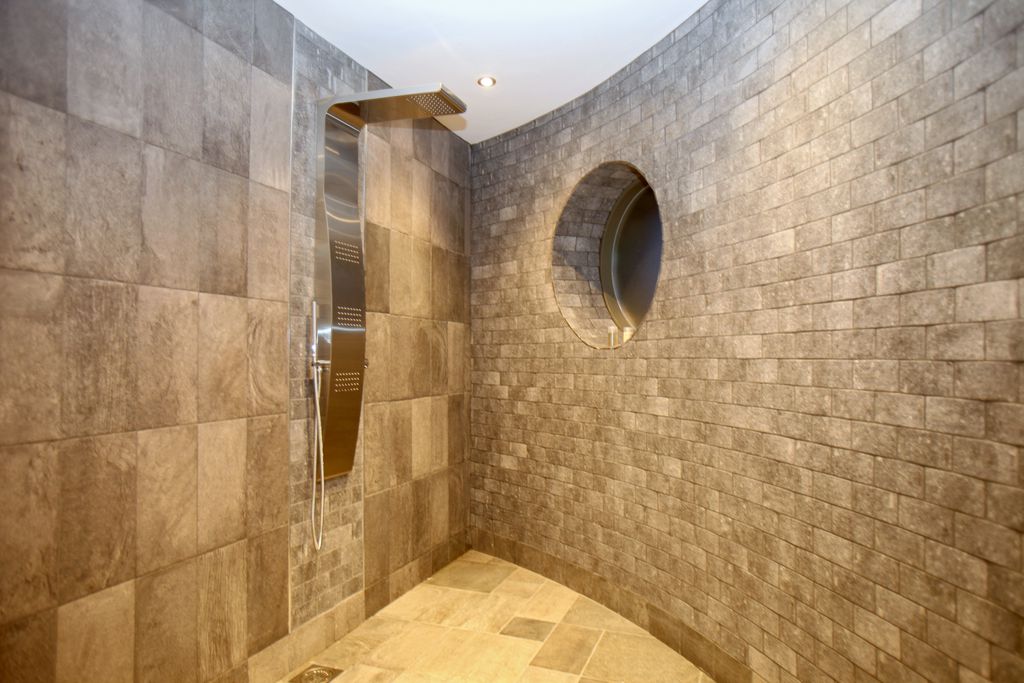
318,463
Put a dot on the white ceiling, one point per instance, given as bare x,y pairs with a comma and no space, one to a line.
544,53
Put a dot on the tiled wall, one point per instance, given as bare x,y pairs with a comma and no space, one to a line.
143,338
807,464
392,521
156,193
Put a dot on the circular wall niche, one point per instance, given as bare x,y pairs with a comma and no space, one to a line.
607,255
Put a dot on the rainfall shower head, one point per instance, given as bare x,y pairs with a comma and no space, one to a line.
392,104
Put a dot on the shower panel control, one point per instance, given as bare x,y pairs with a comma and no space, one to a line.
338,315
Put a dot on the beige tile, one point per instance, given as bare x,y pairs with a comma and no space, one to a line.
269,664
267,235
532,629
31,308
638,659
268,357
400,267
422,436
221,483
474,576
32,198
431,604
586,612
97,527
266,474
166,646
221,610
309,638
267,593
567,648
550,603
535,674
167,497
378,267
28,530
96,636
223,364
475,556
99,319
164,357
438,459
488,613
28,646
522,583
407,648
170,226
104,203
364,673
270,121
222,244
465,656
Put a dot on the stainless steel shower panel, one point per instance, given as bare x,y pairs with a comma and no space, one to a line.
339,289
338,346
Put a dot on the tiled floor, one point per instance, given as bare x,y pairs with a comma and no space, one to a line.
485,620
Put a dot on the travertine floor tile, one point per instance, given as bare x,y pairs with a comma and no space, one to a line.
550,603
524,629
532,629
586,612
474,576
638,659
567,648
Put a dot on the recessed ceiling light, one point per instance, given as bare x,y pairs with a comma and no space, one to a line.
487,81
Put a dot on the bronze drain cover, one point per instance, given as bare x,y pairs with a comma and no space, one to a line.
316,673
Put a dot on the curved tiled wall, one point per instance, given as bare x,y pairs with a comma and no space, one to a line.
806,464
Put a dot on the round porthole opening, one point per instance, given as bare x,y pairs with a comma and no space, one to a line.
606,256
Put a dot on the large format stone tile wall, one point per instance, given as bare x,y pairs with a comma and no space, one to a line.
807,464
143,338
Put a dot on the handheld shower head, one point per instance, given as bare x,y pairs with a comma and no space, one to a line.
396,103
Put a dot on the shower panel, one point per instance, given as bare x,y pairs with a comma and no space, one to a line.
338,330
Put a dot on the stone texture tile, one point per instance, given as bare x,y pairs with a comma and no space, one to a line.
32,169
266,474
104,203
96,528
223,240
230,23
378,263
624,657
267,239
31,307
166,641
96,636
28,530
221,610
164,357
273,29
98,322
226,108
188,12
472,576
222,390
567,648
172,68
376,563
267,592
167,506
171,219
376,379
28,648
267,348
462,655
33,51
550,603
532,629
104,48
586,612
221,473
270,131
388,445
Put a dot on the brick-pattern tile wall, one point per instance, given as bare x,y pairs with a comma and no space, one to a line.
809,455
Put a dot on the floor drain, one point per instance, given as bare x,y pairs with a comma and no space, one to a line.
316,674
